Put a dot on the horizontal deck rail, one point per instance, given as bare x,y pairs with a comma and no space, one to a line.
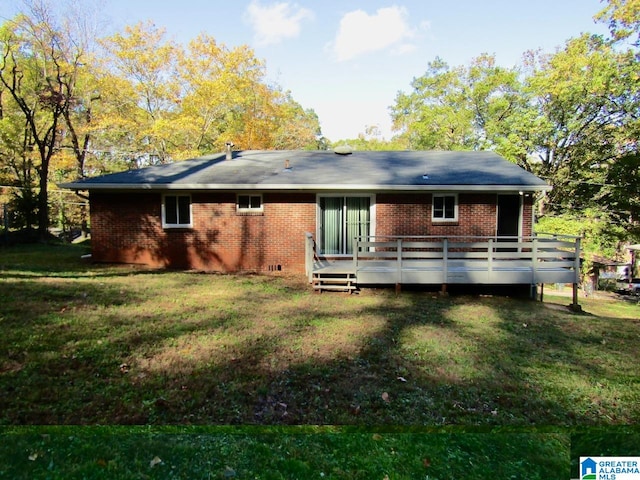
449,260
429,260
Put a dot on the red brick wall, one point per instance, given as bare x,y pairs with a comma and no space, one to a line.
126,228
403,214
527,215
399,214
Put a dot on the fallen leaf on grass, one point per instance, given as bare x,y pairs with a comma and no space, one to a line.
402,379
156,461
385,397
33,457
426,462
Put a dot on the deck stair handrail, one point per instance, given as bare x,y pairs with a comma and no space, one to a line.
309,254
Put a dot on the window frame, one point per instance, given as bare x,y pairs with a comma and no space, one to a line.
343,196
177,196
444,196
249,209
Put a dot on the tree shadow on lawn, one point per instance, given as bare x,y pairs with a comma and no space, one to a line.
92,271
374,359
493,361
464,361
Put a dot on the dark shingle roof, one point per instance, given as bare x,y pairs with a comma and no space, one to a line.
323,170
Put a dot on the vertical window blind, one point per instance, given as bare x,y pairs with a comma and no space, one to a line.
341,220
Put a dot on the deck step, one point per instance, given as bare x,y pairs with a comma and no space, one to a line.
335,282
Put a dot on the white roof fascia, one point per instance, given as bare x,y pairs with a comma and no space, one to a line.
311,187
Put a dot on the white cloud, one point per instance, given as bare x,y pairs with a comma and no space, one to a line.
276,22
361,33
405,48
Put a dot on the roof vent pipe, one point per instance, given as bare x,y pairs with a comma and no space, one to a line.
229,146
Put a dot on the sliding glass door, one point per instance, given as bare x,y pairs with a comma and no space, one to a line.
341,219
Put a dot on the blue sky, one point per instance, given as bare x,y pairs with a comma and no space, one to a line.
348,59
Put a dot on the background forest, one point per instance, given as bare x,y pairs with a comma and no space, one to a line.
74,103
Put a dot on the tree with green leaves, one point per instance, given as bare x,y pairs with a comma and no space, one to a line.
17,167
588,97
39,64
435,114
460,108
571,117
623,17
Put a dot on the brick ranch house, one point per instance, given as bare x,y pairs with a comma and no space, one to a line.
304,211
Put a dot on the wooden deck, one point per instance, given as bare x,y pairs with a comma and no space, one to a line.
451,260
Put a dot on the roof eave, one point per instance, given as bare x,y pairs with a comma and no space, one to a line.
298,187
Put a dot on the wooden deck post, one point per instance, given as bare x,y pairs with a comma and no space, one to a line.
534,261
356,250
308,255
399,266
575,306
490,260
534,271
445,266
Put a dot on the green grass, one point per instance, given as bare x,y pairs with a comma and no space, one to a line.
604,442
320,453
414,386
85,344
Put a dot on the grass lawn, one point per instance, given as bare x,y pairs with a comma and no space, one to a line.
263,379
86,344
119,453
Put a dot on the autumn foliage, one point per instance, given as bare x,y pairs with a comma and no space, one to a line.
74,103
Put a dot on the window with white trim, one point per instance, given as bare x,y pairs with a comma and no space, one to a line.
176,211
249,203
445,208
340,220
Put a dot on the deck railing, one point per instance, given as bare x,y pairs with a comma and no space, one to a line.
543,258
535,260
309,254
